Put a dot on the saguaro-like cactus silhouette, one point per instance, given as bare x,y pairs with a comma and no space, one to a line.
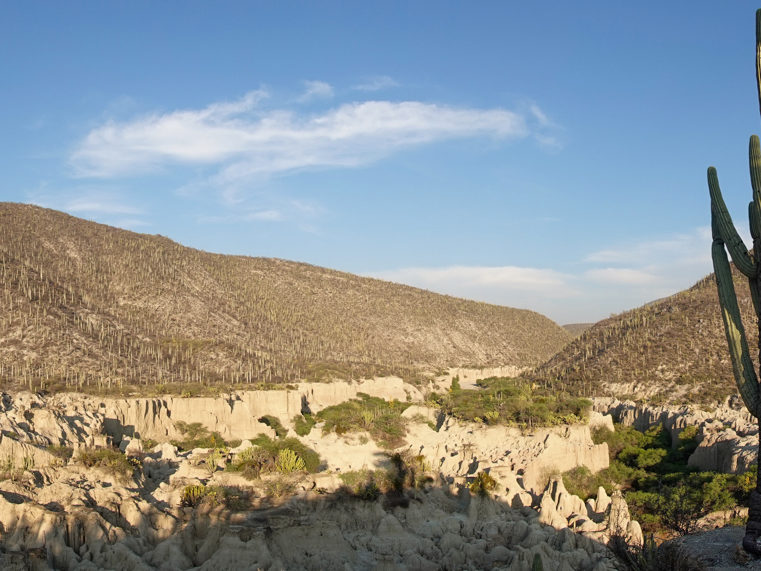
725,237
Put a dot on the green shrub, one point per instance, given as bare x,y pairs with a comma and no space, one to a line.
192,495
366,484
274,423
580,481
501,400
622,437
382,419
279,487
303,423
483,484
212,460
109,459
252,462
234,498
196,435
408,471
63,452
273,447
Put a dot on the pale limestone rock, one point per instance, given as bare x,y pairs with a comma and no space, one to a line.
602,502
134,447
19,455
618,517
94,521
728,435
599,420
634,535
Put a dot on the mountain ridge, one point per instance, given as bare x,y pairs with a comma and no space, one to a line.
87,304
669,351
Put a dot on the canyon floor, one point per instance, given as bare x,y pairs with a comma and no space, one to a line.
185,509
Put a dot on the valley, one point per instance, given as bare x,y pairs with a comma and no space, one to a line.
166,408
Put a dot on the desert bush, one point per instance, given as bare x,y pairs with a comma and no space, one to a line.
303,423
196,435
274,423
366,484
483,484
193,496
252,462
279,487
63,452
281,455
212,460
649,556
408,471
273,447
233,497
580,481
381,418
501,400
109,459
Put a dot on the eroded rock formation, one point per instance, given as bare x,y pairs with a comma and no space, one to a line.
56,513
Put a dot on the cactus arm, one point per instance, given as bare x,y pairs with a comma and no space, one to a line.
754,215
726,229
742,365
754,156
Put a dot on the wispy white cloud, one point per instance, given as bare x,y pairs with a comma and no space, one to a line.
627,276
377,83
271,215
677,247
130,223
316,90
106,206
454,279
84,201
605,282
241,141
539,115
98,204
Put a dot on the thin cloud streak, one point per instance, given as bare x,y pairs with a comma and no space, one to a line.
627,276
377,83
240,140
675,247
655,269
84,201
316,90
550,282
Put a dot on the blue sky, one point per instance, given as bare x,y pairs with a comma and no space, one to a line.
543,155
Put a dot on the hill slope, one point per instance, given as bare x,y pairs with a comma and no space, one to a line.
673,350
84,304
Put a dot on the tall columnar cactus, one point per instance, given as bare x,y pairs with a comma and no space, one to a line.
725,237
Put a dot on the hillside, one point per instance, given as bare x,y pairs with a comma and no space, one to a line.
83,304
673,350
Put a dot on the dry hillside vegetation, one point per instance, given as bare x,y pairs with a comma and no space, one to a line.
673,350
87,305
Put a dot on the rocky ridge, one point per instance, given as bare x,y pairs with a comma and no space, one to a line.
727,436
57,512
